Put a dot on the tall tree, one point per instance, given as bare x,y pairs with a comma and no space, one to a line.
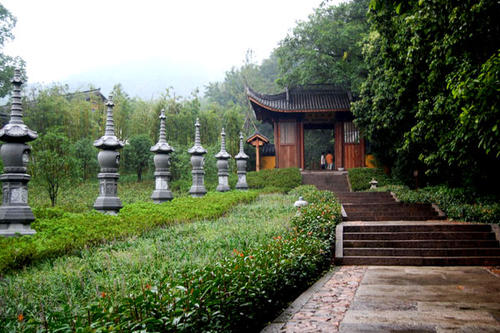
54,163
430,102
136,154
7,63
326,48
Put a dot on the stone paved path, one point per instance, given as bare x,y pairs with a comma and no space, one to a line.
397,299
322,307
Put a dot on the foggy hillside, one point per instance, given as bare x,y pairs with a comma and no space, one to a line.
147,79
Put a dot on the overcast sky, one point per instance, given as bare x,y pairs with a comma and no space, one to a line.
64,38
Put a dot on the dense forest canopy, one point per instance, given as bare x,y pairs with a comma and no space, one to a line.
430,102
425,76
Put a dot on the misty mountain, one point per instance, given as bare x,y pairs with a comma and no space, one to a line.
147,79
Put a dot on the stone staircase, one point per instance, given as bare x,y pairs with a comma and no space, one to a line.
379,230
430,243
381,206
335,181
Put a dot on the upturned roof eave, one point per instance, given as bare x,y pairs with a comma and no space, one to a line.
270,108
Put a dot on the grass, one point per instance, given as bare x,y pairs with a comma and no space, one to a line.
63,287
80,197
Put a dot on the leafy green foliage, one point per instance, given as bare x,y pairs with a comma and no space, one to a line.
274,180
137,155
237,289
72,232
457,203
86,156
326,48
360,178
430,101
54,163
7,63
230,94
158,255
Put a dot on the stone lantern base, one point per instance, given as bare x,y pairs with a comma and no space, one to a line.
15,214
223,184
108,202
161,192
198,188
242,181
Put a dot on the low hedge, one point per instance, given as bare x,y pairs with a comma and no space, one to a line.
360,178
240,292
60,233
457,203
274,180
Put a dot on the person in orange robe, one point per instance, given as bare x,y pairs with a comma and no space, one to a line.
329,160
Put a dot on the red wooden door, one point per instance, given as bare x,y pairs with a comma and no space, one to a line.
288,142
354,147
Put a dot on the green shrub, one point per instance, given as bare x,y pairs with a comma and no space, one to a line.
311,194
271,180
238,293
457,203
360,178
63,233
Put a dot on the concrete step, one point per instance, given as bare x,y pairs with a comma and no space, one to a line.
418,235
422,261
428,243
326,181
387,206
427,227
421,252
364,194
364,201
397,211
396,217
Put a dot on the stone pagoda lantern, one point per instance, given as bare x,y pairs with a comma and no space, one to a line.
162,152
15,214
109,159
223,165
241,165
197,160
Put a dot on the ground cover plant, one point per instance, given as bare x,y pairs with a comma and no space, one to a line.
274,180
360,178
222,275
457,203
80,196
61,232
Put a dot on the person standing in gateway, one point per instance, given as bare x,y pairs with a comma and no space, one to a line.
329,160
323,161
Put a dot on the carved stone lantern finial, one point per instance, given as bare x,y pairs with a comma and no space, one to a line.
223,165
197,160
109,159
15,214
162,152
241,165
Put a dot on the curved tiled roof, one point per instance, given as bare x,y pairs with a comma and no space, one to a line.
315,98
